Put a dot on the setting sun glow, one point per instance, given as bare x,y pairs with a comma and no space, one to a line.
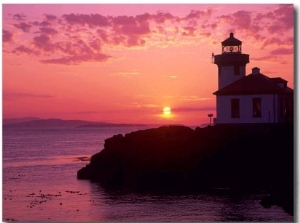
167,111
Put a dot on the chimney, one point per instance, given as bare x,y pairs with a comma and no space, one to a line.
255,70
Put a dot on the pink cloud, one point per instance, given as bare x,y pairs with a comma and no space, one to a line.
213,26
124,20
128,30
189,31
240,19
95,44
281,51
6,36
285,15
162,17
261,26
274,54
135,41
133,28
48,31
143,17
44,24
103,35
116,40
264,58
23,26
19,17
43,42
196,15
279,20
74,60
73,38
92,20
25,50
275,41
205,34
50,17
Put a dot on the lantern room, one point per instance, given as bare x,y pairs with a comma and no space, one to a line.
231,45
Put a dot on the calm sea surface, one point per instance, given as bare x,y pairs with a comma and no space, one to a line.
39,184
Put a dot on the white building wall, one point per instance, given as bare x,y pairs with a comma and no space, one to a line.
227,76
269,109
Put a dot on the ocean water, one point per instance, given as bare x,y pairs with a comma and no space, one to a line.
40,184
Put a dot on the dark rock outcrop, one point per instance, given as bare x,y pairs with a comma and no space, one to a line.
180,158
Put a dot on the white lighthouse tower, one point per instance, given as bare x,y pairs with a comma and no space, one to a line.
231,63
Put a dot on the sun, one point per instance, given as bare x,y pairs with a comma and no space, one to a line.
167,111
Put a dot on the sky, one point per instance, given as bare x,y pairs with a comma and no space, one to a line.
124,63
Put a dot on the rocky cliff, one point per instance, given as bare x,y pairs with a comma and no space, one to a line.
180,158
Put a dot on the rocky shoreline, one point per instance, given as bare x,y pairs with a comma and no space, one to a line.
240,157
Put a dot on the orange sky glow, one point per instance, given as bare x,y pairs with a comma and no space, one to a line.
126,63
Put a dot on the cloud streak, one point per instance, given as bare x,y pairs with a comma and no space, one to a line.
193,109
21,95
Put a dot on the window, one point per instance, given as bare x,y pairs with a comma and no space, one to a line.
256,102
235,108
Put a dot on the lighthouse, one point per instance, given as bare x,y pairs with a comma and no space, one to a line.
231,63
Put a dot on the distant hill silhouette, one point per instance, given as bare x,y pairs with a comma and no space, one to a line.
58,123
19,120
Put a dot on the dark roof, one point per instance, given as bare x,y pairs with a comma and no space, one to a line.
254,84
231,41
278,80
